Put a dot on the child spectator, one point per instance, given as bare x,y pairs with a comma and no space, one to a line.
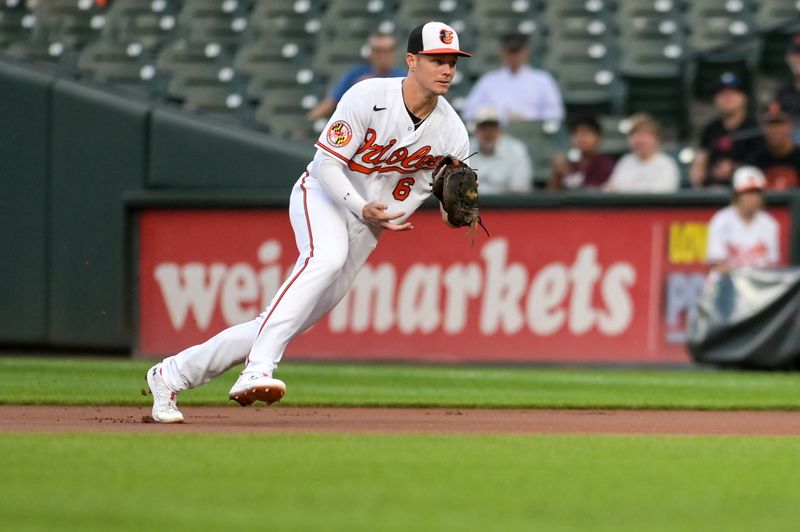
583,166
646,168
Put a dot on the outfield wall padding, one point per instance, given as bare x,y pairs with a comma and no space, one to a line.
98,151
24,115
188,153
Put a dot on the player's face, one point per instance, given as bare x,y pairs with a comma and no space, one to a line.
749,203
435,72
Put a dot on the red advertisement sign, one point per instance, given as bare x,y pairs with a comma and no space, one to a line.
548,285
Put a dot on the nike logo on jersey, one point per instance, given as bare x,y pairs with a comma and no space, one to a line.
376,108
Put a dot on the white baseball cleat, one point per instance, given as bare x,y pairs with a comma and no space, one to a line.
165,401
251,387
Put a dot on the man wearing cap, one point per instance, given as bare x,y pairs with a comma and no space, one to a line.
788,95
372,169
517,90
382,52
501,160
779,157
727,140
743,234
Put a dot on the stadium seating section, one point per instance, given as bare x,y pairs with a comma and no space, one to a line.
265,63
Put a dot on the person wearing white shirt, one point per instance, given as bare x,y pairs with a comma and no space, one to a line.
646,168
501,161
744,235
517,90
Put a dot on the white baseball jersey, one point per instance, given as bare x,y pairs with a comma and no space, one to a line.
740,244
387,160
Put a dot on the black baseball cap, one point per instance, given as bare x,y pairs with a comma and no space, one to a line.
434,38
729,80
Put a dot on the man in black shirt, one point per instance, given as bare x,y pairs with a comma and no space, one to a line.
779,158
728,140
788,95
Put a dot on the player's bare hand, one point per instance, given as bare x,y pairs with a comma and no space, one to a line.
375,213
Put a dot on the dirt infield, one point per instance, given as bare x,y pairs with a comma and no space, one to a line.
399,420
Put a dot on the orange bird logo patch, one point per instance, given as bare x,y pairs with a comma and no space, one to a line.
446,36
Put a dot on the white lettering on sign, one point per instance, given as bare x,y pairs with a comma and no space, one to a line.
509,297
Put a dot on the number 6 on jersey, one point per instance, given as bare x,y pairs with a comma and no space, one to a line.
403,188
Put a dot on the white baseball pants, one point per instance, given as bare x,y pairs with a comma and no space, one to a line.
333,246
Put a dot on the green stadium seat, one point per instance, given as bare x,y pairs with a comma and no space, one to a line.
15,25
340,53
588,88
412,13
358,18
213,21
116,63
773,14
217,99
615,140
187,76
284,112
273,76
150,24
270,50
543,139
652,59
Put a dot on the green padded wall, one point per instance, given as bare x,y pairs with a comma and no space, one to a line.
188,152
24,117
98,151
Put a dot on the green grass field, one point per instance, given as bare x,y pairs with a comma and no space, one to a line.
103,382
338,482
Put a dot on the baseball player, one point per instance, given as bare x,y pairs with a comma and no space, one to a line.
372,169
744,235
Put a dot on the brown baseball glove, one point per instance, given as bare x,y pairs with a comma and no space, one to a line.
455,184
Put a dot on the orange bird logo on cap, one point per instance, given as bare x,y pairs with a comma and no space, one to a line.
446,36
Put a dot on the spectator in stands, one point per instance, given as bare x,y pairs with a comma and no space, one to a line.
727,140
583,166
779,158
517,90
743,234
788,95
502,161
382,54
646,168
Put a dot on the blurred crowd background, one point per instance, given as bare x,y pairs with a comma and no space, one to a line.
617,95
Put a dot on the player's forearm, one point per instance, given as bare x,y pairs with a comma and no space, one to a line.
331,175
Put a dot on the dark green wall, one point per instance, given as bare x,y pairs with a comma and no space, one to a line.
24,116
186,153
69,152
98,149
